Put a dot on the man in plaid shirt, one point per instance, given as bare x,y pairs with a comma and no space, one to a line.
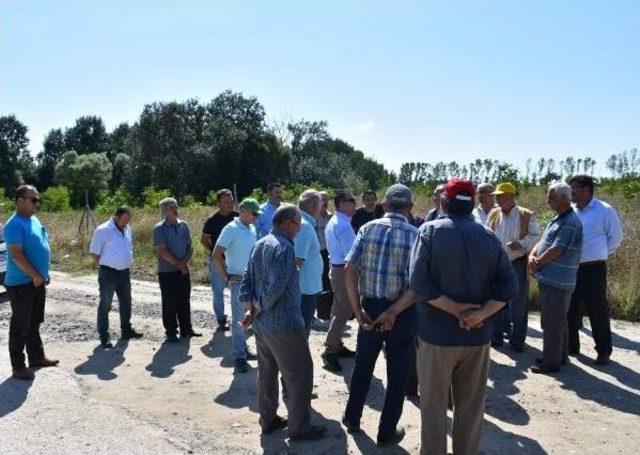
377,274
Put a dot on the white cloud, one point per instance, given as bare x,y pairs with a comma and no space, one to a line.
366,126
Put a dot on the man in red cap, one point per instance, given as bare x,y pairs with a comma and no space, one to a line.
462,276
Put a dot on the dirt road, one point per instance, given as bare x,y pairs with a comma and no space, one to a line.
151,397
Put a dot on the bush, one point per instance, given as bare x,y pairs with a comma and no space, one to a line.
117,199
151,197
56,199
6,205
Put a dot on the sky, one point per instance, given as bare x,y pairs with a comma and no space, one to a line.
400,80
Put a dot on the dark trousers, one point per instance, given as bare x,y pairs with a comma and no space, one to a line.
398,345
554,305
27,313
175,289
110,281
591,292
308,305
517,310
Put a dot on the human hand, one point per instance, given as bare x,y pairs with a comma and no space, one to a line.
365,320
385,321
472,319
514,245
247,320
38,280
533,265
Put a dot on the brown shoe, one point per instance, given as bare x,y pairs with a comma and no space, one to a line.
43,363
23,374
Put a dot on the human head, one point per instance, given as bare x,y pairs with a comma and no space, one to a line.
582,187
437,196
505,194
310,202
398,199
27,200
122,216
485,198
369,199
169,208
458,197
287,220
559,197
325,200
249,210
274,192
224,200
345,202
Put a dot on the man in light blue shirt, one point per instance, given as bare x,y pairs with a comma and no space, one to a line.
231,256
308,258
264,223
601,236
340,237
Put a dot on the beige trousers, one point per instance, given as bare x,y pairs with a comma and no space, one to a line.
340,310
463,369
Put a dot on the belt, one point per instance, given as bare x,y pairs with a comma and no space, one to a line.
601,261
337,265
111,269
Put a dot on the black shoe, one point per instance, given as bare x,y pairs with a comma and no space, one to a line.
190,334
106,344
240,366
131,334
574,352
314,432
543,369
392,439
223,327
275,425
539,361
251,355
351,427
331,362
345,353
602,359
172,338
497,344
517,348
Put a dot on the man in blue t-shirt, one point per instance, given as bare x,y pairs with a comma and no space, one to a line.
27,274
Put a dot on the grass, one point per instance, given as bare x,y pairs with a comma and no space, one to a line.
70,249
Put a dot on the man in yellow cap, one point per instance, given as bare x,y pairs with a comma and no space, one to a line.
518,231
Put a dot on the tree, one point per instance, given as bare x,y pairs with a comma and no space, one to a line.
80,173
16,164
87,136
52,150
120,141
121,171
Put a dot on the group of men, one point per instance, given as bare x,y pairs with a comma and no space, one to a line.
453,285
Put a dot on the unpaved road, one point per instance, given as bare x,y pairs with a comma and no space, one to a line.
149,397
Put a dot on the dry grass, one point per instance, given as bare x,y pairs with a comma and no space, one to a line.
69,250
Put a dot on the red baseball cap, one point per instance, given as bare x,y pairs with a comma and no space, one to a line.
463,190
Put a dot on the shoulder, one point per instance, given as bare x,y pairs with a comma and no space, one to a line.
159,225
525,211
104,226
604,206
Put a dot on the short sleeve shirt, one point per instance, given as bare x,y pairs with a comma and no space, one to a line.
176,238
215,223
237,238
307,247
31,235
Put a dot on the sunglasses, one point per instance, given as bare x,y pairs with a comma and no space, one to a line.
34,200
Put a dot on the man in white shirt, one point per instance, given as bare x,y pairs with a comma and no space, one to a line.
518,231
112,252
601,236
340,237
486,202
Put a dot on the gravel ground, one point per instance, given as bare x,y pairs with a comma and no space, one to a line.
149,397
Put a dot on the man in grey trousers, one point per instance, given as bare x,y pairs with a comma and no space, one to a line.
270,291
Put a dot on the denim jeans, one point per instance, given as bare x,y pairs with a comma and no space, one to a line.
398,347
517,310
238,336
308,305
217,288
110,281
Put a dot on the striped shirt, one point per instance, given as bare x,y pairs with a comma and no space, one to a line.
381,250
272,282
564,231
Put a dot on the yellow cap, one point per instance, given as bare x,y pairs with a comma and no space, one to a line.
505,188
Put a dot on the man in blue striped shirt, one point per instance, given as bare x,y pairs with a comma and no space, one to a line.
377,274
270,291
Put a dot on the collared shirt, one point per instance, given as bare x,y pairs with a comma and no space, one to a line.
30,234
114,247
564,231
215,223
176,238
271,281
480,215
322,224
307,248
508,230
340,237
457,257
601,230
433,214
381,250
237,238
264,223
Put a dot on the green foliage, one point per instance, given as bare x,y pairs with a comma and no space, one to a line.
16,164
56,199
151,197
87,136
90,172
7,205
52,151
114,200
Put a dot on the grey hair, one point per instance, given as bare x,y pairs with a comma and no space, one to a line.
166,202
561,189
439,189
309,199
284,213
485,186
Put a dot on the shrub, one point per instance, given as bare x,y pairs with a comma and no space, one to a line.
7,205
117,199
56,199
151,197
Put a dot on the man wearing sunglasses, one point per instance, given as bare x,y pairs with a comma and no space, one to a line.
27,275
